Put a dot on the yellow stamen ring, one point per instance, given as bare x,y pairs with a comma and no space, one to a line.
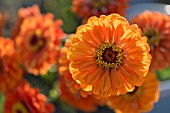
109,56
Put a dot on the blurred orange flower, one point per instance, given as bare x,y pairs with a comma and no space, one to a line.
63,61
25,99
139,100
38,43
155,26
88,8
109,55
22,14
71,92
76,97
10,73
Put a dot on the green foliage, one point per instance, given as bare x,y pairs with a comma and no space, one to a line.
2,99
62,10
164,74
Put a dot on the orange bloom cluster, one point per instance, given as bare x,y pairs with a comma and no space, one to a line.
71,92
106,62
23,13
25,99
109,55
38,43
157,31
10,73
139,100
88,8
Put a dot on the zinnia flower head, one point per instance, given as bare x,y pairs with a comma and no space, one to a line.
25,99
38,43
10,73
109,55
22,14
140,100
88,8
155,26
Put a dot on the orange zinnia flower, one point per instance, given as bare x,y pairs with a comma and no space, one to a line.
38,43
25,99
139,100
10,73
88,8
155,26
71,92
22,14
109,55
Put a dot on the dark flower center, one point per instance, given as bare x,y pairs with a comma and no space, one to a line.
34,40
20,107
99,3
109,56
18,111
153,37
37,42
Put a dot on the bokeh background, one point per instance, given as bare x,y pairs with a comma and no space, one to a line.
61,10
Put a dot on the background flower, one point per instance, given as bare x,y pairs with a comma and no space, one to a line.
140,100
25,99
38,43
23,13
157,32
78,98
10,72
87,8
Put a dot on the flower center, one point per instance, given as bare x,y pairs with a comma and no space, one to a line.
153,36
19,107
109,56
37,41
99,3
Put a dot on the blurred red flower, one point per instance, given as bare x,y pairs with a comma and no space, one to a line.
25,99
10,72
38,43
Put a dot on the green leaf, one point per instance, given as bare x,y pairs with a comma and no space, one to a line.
2,99
62,10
